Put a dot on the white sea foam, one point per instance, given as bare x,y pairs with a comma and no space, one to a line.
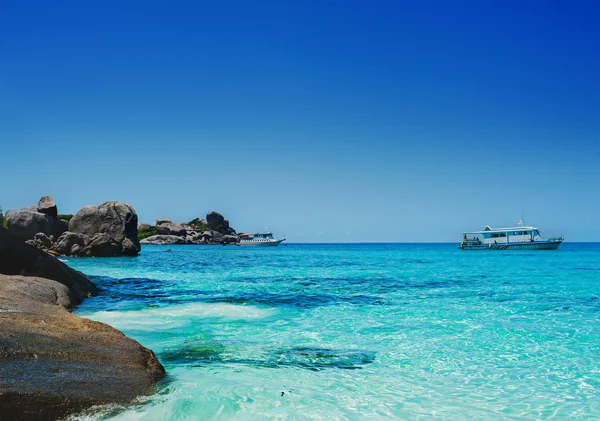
178,315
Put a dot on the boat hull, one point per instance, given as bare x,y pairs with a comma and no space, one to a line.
533,245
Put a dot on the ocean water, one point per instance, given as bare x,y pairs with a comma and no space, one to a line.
358,331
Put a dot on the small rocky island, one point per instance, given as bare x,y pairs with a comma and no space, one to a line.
214,229
109,229
105,230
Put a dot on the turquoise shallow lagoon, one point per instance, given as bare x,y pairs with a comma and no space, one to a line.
358,331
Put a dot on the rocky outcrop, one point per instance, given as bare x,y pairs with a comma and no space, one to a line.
144,226
195,238
47,206
214,229
215,220
41,241
170,228
117,220
230,239
53,363
27,222
70,244
199,222
164,239
217,237
40,227
102,245
19,258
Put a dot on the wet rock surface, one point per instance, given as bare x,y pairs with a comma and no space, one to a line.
53,363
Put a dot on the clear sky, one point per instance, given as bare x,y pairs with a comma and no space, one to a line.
323,120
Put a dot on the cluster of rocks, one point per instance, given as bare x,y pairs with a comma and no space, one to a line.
41,218
109,229
214,229
53,363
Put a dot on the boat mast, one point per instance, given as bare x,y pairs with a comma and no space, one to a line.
521,221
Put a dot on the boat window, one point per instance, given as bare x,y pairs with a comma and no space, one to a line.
526,233
502,235
536,232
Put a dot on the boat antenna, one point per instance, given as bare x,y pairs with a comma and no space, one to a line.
521,221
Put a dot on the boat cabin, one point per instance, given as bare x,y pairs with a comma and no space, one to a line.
256,237
521,234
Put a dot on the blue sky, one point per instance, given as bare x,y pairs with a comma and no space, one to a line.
323,120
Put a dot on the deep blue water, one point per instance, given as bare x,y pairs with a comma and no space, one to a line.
359,331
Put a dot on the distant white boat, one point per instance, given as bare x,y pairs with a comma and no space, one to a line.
257,239
522,237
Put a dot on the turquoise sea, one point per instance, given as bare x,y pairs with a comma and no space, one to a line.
358,331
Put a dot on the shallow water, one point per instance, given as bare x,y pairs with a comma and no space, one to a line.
358,331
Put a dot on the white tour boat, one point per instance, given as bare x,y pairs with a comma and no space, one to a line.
257,239
522,237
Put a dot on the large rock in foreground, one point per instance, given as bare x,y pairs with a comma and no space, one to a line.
118,220
53,363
